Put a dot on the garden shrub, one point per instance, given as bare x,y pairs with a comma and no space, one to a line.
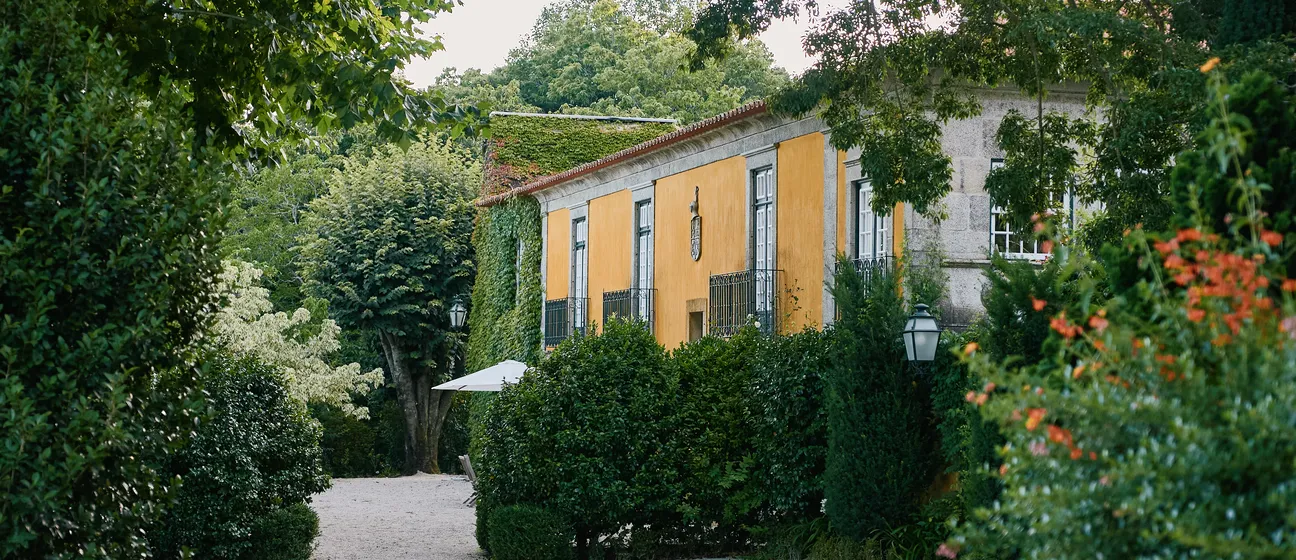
881,444
287,533
346,444
106,216
790,421
580,435
1161,427
525,532
717,496
257,453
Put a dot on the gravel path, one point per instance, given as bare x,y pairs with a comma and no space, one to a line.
419,517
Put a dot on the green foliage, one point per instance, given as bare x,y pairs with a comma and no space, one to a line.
790,421
105,270
286,534
523,532
580,435
389,249
528,147
274,66
257,453
1160,423
598,56
886,79
1261,103
969,444
881,454
1020,300
266,218
506,299
712,433
347,443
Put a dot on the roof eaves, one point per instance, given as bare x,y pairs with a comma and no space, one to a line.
749,110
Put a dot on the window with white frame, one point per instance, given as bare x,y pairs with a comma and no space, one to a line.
580,270
872,237
1018,241
763,237
643,254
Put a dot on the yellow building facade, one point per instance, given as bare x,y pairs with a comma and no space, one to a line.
741,219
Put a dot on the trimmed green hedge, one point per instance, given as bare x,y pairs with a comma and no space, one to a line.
286,534
790,421
882,446
525,532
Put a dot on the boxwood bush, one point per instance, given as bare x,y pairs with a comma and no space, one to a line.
526,532
581,435
257,453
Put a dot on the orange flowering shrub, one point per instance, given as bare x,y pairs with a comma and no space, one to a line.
1161,424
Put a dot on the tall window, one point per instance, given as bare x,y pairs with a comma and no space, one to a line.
872,239
1017,241
643,256
580,271
763,243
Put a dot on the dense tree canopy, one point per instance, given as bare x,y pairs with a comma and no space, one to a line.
278,64
389,247
890,72
618,58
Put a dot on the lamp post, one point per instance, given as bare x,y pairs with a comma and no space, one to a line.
458,314
921,337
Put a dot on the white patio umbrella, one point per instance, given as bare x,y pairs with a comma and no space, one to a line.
489,379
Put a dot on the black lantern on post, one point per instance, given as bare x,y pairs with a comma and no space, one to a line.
458,315
921,337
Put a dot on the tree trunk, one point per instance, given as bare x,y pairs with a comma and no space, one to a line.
424,410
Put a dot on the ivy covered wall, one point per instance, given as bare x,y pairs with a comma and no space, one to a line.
505,319
524,148
506,299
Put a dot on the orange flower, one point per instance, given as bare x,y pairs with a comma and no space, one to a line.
1033,417
1166,247
1289,285
1273,238
981,399
970,348
1003,469
1196,315
1047,246
1075,453
1097,323
1210,64
1039,304
1221,340
970,397
1093,456
1189,234
1059,435
990,387
1078,371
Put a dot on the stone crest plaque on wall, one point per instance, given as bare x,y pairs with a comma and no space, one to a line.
695,228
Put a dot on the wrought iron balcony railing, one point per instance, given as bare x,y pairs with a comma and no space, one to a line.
737,297
634,304
564,318
867,267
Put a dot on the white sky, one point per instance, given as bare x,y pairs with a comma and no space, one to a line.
480,34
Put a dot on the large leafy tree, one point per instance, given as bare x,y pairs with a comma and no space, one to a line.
623,58
275,65
890,72
389,248
116,120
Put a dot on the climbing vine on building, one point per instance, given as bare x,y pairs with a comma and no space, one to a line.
525,148
505,318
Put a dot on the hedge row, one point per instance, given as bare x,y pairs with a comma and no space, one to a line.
719,444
